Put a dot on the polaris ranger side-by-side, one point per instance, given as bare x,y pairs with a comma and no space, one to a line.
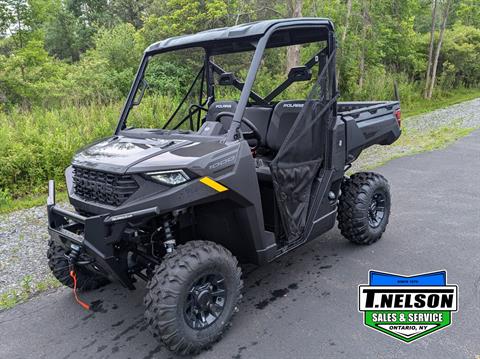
221,181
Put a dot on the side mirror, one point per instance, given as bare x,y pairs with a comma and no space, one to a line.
226,79
300,73
140,92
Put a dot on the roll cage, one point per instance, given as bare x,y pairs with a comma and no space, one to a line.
248,37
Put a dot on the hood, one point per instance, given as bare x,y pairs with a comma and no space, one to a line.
120,153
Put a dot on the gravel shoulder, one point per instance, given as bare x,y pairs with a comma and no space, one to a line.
24,236
430,131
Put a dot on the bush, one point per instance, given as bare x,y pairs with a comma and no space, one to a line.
461,57
38,145
31,77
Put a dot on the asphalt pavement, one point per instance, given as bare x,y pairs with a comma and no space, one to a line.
304,305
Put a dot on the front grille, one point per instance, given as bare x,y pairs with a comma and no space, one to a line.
102,187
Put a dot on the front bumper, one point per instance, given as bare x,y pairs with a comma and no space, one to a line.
97,236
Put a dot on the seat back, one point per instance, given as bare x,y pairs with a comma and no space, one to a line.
221,106
259,116
283,117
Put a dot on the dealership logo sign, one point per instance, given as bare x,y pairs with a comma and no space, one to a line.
408,307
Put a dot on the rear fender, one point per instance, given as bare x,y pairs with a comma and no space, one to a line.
360,134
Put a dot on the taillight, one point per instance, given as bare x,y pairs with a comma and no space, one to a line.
398,116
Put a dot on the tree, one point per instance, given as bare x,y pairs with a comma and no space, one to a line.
347,20
6,19
430,49
91,13
293,52
468,13
186,17
348,13
365,26
131,11
15,16
461,57
118,46
446,11
62,36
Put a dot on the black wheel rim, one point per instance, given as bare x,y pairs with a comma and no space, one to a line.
376,211
205,301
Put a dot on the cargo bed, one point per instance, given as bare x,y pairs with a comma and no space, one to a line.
368,123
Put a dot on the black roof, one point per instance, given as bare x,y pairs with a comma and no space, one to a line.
253,29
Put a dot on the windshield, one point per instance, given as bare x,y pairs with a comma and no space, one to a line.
176,88
173,86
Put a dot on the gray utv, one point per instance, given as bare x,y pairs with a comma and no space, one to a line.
222,180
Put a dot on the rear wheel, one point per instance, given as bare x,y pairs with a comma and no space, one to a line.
58,263
364,207
192,296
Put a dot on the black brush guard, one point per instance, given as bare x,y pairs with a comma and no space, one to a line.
97,236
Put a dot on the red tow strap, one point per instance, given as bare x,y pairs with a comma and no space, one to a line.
79,301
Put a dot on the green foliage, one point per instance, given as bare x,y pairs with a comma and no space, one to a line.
28,77
15,12
5,197
174,17
130,11
63,36
66,66
38,145
100,42
118,46
119,51
461,57
468,13
418,105
35,145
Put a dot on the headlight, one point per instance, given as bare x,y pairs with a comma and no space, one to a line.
170,178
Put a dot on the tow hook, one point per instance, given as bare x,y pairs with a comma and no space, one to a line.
74,254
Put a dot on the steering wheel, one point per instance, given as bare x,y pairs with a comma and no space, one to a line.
194,106
254,134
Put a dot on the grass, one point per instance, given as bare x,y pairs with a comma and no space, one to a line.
410,143
38,145
435,139
29,201
420,106
27,290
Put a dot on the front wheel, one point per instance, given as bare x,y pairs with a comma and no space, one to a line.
59,265
364,207
192,296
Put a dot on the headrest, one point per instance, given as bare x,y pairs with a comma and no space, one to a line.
220,106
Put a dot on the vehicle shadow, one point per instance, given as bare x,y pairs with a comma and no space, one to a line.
116,328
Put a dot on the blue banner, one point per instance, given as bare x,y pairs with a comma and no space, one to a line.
380,278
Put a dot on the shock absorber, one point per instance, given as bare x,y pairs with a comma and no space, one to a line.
169,240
